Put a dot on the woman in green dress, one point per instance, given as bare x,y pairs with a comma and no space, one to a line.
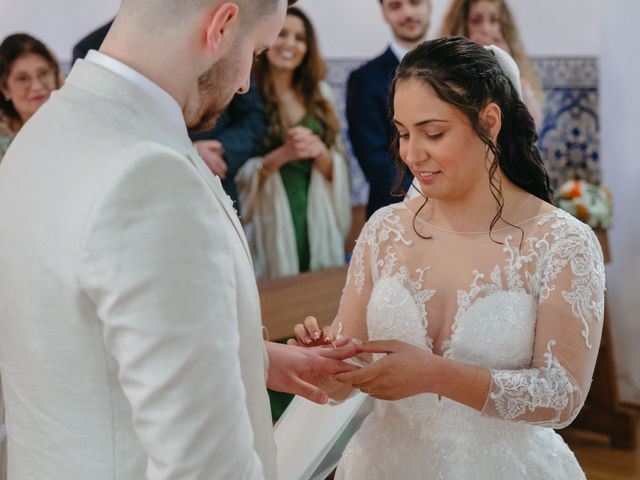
295,195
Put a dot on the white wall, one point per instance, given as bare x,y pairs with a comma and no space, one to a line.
620,71
347,28
58,23
354,28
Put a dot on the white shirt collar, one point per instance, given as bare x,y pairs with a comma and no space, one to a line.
166,102
398,50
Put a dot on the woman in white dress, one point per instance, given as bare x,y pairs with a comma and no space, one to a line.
481,303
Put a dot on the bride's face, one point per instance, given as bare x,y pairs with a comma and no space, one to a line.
438,143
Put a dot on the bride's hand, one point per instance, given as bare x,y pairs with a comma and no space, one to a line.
405,371
309,334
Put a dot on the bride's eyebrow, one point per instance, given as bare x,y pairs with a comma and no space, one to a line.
422,122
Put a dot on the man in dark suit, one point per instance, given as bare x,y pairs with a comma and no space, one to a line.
91,42
236,136
370,128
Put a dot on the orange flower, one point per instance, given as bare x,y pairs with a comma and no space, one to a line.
582,212
571,189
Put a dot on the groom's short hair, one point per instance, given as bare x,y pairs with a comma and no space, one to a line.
174,10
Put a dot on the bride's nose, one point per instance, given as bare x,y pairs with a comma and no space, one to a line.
416,153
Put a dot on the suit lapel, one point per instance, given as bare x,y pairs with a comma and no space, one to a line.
226,203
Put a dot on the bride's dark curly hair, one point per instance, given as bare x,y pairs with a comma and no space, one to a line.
469,77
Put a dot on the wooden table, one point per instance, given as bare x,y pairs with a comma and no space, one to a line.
287,301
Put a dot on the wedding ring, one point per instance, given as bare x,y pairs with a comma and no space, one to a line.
333,344
369,390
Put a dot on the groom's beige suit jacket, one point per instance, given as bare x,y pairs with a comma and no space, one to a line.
130,336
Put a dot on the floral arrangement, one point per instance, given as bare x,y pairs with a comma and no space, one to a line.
587,202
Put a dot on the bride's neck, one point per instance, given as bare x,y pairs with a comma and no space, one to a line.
476,211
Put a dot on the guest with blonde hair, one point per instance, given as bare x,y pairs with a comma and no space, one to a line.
490,22
295,196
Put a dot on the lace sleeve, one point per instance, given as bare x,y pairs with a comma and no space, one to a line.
570,285
352,312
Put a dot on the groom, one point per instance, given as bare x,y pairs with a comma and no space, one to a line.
130,337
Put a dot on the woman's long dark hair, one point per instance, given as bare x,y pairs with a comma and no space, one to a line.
12,48
306,84
469,77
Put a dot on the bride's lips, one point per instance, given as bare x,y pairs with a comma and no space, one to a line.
427,177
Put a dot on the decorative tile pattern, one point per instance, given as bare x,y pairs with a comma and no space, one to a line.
570,137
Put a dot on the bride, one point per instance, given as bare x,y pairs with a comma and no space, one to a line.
482,303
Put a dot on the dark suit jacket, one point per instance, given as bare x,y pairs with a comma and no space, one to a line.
371,129
91,42
240,129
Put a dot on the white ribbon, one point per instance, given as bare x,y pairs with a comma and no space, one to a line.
509,67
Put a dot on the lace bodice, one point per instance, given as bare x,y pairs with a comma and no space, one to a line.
526,304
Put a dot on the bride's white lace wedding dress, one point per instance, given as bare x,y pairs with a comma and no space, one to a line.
529,308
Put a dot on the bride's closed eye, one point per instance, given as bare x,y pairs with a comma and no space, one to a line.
434,136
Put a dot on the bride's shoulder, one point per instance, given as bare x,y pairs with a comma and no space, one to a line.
561,226
393,213
392,217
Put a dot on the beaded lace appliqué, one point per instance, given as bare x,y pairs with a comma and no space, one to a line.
382,226
547,387
567,245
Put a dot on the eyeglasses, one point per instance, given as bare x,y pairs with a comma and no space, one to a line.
23,81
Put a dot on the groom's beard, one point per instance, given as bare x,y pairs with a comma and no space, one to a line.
215,93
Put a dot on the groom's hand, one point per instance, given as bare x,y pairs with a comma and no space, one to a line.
301,370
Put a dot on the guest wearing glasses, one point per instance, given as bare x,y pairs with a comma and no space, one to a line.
28,74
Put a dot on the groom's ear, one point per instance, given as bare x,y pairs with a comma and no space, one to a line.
221,28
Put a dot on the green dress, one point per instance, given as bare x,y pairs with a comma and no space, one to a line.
296,177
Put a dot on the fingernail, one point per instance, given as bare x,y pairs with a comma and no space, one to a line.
315,335
307,340
357,341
